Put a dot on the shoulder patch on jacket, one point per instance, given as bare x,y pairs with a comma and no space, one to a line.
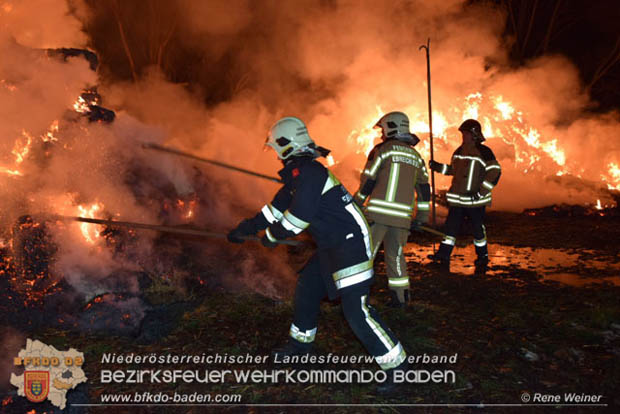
295,172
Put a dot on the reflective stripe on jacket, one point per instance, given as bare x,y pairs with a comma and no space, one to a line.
475,170
393,174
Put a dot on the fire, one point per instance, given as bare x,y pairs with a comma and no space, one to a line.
8,86
49,135
21,150
10,172
499,118
505,108
365,138
614,172
81,105
471,110
189,211
89,231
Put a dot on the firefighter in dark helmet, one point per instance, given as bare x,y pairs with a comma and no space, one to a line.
393,175
313,199
475,173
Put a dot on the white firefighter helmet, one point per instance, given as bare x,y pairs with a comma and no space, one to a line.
289,136
396,125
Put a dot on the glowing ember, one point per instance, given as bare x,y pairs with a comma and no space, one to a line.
598,205
187,208
89,231
8,86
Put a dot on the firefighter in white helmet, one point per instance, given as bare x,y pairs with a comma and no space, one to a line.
394,174
475,173
313,199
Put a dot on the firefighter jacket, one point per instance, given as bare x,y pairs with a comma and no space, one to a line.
475,171
313,199
393,173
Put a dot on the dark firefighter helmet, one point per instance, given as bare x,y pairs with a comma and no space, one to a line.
474,127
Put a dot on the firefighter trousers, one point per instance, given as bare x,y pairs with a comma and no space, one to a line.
363,319
394,240
453,225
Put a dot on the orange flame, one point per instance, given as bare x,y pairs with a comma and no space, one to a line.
20,151
187,212
49,135
613,180
499,119
81,105
89,231
365,138
10,172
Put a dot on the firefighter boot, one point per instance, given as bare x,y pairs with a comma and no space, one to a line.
482,264
399,298
441,259
290,349
389,386
439,262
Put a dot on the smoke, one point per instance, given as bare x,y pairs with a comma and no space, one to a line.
40,24
55,162
339,64
11,342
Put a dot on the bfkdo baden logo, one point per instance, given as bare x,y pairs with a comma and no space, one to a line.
37,385
48,373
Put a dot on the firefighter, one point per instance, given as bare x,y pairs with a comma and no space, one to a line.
475,172
313,199
393,172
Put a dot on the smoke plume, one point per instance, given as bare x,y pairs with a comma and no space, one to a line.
338,65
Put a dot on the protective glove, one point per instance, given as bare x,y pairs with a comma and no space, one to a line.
267,243
245,228
434,165
415,226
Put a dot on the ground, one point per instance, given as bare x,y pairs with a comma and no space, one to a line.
518,329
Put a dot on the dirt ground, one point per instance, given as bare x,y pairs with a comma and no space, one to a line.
543,321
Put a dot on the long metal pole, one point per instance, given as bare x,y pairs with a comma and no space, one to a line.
170,150
430,123
168,229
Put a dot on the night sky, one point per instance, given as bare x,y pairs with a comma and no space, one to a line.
585,31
